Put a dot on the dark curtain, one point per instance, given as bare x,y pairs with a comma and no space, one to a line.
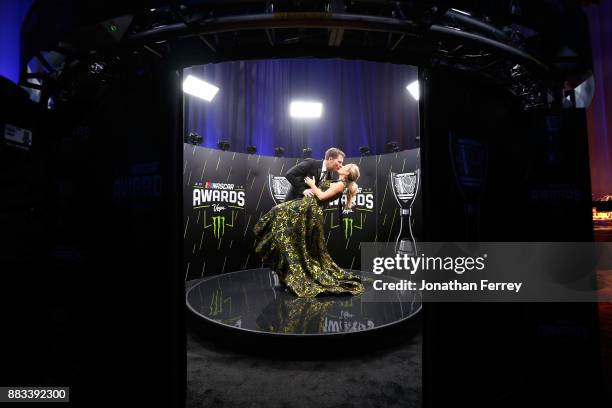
364,104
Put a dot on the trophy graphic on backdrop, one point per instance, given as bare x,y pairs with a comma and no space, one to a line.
469,160
279,186
405,187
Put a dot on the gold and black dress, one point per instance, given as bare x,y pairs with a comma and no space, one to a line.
290,239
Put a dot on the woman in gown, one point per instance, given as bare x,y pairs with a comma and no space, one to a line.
290,239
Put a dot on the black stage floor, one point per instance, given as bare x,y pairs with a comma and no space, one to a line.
250,305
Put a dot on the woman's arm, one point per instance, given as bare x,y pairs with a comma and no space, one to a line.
333,189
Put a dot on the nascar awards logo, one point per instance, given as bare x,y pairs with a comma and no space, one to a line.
353,218
217,193
221,202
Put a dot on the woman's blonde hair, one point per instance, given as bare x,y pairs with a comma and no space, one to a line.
352,187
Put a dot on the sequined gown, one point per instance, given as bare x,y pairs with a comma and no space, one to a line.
290,239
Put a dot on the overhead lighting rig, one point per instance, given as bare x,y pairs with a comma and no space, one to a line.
423,33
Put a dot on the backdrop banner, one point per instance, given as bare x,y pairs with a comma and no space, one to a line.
225,193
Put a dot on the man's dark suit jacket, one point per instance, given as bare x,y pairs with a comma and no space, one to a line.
296,174
311,168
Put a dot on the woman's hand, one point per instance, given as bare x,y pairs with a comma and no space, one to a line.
309,182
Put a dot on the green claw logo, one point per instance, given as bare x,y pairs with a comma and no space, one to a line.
348,227
217,301
218,226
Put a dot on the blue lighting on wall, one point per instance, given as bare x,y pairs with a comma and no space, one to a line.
12,14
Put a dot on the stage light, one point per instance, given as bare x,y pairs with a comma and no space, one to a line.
193,138
223,145
413,88
196,87
364,150
279,151
465,13
392,147
251,149
307,153
584,92
305,110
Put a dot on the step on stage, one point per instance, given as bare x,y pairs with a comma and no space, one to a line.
251,311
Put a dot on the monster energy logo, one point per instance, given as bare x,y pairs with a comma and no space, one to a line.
218,226
348,227
217,301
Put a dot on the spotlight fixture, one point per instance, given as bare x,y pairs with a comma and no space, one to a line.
96,67
584,92
279,151
364,150
392,147
305,110
413,88
251,149
223,145
465,13
307,153
201,89
193,138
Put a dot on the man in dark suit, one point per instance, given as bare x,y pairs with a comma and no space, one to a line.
317,169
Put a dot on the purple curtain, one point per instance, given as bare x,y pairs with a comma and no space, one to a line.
600,111
12,14
364,104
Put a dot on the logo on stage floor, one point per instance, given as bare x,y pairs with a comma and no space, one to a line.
218,226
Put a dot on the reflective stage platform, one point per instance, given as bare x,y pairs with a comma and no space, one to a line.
251,310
